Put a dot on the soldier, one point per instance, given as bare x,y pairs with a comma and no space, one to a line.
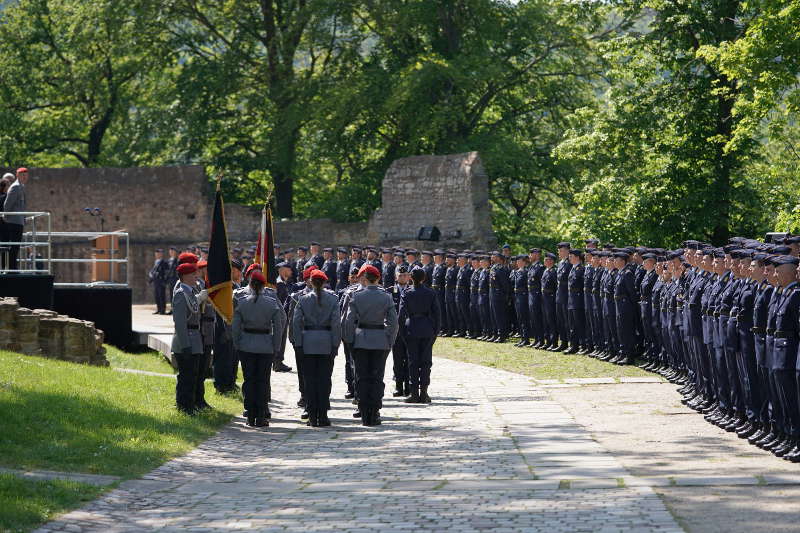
463,294
158,277
588,301
399,352
411,259
344,300
475,327
370,325
302,258
207,319
437,284
562,295
314,252
317,331
372,259
419,318
257,319
576,303
342,270
450,307
600,342
329,267
609,307
549,287
282,286
427,265
388,269
625,301
299,357
535,271
646,310
519,284
355,257
187,344
499,296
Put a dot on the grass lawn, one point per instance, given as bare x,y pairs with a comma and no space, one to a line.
25,503
538,364
149,360
61,416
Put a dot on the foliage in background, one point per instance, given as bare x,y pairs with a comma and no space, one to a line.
633,121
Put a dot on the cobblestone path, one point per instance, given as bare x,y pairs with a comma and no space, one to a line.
493,452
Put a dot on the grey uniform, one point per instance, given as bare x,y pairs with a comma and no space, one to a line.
257,323
187,347
370,325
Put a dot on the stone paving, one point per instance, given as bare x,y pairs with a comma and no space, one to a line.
493,452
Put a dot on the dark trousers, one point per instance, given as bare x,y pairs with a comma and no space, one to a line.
256,369
299,359
451,310
577,327
475,326
349,375
500,314
400,361
159,288
487,320
462,302
443,307
420,360
317,372
186,385
202,372
562,321
279,355
226,362
370,366
14,232
535,315
521,308
549,319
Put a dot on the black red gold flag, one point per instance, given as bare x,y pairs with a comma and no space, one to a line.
220,284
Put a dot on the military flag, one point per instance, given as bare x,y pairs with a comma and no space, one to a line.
265,248
220,284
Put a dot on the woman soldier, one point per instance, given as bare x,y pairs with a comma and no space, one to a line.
370,325
419,321
255,319
316,329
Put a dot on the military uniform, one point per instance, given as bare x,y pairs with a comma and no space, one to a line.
576,308
549,318
519,284
562,297
187,346
463,280
499,298
450,305
438,281
535,271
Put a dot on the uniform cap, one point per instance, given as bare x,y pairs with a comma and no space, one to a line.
506,246
283,264
402,269
254,266
327,250
427,252
550,255
785,260
452,256
649,256
411,251
258,276
622,254
399,254
563,245
187,257
576,251
237,250
495,253
186,268
369,269
781,250
303,248
592,240
21,169
237,264
438,251
202,264
319,274
160,250
314,243
534,251
342,249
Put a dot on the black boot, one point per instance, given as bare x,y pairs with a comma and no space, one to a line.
376,417
323,419
313,418
407,389
413,397
423,395
366,416
251,421
398,389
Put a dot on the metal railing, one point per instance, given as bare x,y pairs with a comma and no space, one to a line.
35,239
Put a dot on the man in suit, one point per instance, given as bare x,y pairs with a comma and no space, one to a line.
15,202
158,276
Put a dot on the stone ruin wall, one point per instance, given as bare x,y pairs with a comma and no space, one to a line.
48,334
171,206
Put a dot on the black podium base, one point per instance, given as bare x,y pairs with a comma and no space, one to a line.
33,291
109,308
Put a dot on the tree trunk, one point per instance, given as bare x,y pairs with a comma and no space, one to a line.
284,193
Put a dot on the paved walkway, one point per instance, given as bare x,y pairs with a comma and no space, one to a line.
493,452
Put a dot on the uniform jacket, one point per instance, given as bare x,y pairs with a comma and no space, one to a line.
374,307
535,272
388,277
451,278
207,318
329,267
317,260
428,274
625,288
186,318
787,312
588,287
342,274
258,323
439,273
562,275
420,315
158,274
463,279
15,201
575,287
499,283
549,282
316,325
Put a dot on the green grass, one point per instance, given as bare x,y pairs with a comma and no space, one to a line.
24,503
538,364
150,361
61,416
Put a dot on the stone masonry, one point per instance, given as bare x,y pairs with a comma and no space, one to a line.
450,192
46,333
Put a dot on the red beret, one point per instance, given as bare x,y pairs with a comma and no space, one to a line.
254,266
21,169
257,275
319,274
307,272
187,257
202,264
186,268
369,269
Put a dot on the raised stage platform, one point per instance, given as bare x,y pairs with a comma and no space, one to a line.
153,331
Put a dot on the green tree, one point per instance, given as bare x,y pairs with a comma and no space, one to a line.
71,73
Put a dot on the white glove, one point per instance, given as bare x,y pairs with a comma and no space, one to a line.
202,297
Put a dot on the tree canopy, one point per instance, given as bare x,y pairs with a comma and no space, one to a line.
637,121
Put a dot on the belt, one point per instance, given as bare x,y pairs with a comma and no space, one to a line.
575,291
548,292
317,328
371,326
257,331
207,319
784,334
715,314
758,329
620,298
520,291
483,292
190,326
434,286
722,313
770,331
